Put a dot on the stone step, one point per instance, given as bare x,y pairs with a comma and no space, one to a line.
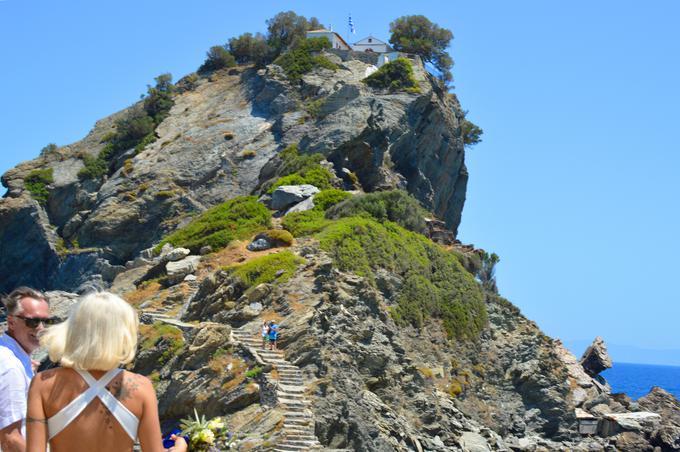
300,443
290,396
296,389
297,415
299,437
292,404
297,431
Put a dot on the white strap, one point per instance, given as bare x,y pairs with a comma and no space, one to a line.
97,388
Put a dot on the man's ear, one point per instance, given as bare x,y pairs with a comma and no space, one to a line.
11,321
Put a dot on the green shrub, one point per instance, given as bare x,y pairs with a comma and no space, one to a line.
455,388
152,335
217,58
254,372
250,49
305,223
165,194
280,237
51,147
314,108
396,75
147,140
293,162
328,198
434,282
159,99
301,59
264,269
320,177
94,168
134,130
472,133
296,169
235,219
36,183
394,205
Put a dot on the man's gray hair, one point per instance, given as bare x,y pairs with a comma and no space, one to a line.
12,301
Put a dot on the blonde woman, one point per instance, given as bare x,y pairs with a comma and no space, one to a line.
89,404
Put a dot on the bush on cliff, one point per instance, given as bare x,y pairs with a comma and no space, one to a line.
434,282
299,169
305,223
394,205
249,48
277,267
326,199
304,57
134,130
217,58
36,183
396,75
235,219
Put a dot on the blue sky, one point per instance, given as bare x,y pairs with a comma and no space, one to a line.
574,185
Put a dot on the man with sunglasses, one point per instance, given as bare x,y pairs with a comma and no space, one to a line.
27,315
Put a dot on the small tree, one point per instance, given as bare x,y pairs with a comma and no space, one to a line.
472,133
251,49
487,274
159,98
416,34
217,58
287,28
48,149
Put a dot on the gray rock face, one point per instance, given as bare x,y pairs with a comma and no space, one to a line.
410,141
288,195
596,359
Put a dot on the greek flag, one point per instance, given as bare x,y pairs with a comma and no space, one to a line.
351,25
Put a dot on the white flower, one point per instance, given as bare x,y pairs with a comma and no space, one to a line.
205,436
216,424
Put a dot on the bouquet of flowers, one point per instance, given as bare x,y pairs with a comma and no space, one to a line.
207,436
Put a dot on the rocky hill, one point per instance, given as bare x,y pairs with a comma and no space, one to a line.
388,339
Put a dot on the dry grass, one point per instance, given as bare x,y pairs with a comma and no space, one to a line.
143,293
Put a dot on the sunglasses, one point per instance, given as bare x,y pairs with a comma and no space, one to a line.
34,322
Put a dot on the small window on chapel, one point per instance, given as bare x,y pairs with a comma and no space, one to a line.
370,40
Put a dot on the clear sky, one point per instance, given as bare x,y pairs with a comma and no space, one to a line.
575,185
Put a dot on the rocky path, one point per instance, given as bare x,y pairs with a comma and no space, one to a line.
298,425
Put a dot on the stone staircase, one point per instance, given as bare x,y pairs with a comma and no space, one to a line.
298,425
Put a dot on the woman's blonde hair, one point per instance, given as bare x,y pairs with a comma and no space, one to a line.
99,334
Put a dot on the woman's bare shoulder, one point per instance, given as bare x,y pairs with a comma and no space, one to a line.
132,385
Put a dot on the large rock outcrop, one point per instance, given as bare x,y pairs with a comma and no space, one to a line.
219,141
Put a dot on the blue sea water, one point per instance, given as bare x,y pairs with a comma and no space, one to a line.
637,379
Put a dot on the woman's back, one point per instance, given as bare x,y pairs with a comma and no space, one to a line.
95,427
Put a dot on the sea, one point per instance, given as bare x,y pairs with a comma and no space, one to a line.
637,379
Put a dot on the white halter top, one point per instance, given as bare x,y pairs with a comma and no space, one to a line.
97,388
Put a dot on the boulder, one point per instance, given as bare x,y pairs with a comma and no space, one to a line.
175,254
474,442
259,244
287,195
179,269
307,204
641,421
596,359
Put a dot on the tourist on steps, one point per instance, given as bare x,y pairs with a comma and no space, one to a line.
117,406
265,333
273,335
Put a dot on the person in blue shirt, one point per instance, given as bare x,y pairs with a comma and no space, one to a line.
273,335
